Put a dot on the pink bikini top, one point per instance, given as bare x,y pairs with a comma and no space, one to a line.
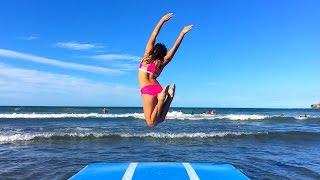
150,68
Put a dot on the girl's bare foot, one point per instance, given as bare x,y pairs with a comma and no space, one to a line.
172,90
163,94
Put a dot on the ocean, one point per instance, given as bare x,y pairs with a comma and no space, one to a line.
56,142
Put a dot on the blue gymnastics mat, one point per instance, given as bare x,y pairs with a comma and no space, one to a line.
159,170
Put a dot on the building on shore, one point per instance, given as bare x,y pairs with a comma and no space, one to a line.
315,106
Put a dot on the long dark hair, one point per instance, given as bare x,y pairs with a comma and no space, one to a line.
159,51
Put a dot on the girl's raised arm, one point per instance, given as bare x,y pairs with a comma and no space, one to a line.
155,33
176,45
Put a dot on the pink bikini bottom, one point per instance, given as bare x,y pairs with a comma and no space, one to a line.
152,89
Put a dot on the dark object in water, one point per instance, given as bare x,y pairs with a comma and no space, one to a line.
210,112
104,111
305,115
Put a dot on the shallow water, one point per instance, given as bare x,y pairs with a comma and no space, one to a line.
56,142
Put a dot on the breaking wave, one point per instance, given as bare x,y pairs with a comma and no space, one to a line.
78,135
289,135
171,115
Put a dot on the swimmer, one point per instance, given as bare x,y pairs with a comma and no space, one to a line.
104,111
157,100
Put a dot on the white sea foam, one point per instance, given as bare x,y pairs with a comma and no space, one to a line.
22,137
300,117
243,116
67,115
171,115
186,135
46,135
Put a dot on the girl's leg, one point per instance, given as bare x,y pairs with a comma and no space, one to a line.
152,107
167,103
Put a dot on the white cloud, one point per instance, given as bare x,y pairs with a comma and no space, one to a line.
111,57
125,62
77,46
126,67
23,85
28,38
58,63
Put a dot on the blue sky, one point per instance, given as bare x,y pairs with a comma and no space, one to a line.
239,53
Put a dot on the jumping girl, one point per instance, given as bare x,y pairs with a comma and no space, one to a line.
157,100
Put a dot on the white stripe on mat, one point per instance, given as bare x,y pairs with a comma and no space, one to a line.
130,171
191,172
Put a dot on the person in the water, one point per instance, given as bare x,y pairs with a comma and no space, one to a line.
104,111
157,100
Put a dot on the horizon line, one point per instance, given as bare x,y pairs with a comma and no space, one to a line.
83,106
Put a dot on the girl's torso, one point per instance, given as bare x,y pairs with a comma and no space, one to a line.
148,72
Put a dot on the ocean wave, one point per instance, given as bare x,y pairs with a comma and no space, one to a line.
171,115
82,135
67,115
288,135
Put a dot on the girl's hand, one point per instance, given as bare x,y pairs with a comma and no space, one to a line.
186,29
167,17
